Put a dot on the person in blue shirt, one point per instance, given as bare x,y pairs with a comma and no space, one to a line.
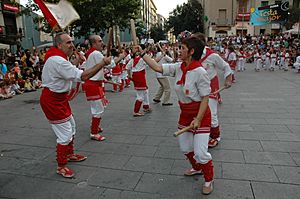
3,68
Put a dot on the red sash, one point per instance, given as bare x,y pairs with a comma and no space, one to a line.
214,85
117,70
94,90
188,112
139,80
55,106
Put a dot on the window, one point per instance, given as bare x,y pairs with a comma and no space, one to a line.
222,14
243,6
264,3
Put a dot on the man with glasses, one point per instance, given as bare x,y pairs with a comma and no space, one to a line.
58,74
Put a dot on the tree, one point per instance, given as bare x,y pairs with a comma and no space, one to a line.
188,16
157,33
97,15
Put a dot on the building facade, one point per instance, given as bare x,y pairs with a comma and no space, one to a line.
148,13
232,17
11,30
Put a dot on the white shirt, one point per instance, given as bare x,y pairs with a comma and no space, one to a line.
164,60
197,83
141,65
58,74
214,62
95,58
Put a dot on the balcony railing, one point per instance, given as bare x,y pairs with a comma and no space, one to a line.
243,17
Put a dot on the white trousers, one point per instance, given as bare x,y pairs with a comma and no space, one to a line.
213,106
198,143
273,63
64,131
97,108
143,96
241,64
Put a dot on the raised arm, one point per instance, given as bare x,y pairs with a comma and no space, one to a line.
151,62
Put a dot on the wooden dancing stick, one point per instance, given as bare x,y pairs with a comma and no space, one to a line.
181,131
218,91
133,33
110,39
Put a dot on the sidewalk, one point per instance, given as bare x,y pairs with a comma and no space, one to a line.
258,156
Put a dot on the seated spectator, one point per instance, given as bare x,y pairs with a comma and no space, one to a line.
28,86
5,93
36,83
15,87
17,70
3,68
28,74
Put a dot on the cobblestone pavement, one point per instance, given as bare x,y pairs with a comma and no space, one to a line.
258,156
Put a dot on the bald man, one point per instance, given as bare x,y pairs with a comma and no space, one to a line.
57,77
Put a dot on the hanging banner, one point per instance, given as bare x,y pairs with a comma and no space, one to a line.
275,13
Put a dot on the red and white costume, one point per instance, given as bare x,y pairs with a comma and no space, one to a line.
273,61
94,89
211,61
268,61
258,61
191,85
297,64
241,61
116,73
138,68
286,61
232,63
57,76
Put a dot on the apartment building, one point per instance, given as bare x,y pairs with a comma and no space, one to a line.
11,29
148,13
232,17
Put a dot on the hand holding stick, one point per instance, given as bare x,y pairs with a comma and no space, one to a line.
181,131
218,91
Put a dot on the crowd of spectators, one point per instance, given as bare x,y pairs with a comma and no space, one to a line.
20,72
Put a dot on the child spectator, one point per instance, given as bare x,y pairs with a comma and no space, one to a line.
28,86
5,92
36,83
3,68
15,87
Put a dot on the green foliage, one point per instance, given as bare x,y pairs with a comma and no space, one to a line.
188,16
157,33
293,17
96,15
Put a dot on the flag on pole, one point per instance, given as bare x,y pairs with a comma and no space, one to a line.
61,14
47,14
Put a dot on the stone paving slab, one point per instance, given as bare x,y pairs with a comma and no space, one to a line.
270,158
258,156
263,190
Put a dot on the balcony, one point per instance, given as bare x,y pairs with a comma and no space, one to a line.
243,17
10,34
